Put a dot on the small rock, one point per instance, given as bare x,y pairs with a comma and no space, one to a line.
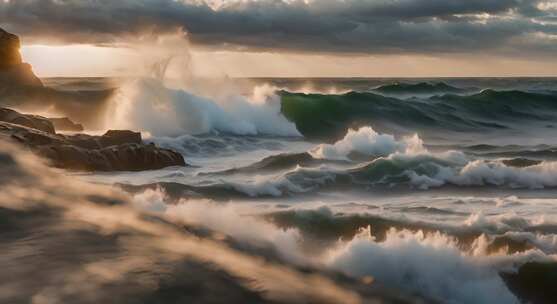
116,150
31,121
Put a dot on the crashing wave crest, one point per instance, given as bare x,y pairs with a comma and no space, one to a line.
147,105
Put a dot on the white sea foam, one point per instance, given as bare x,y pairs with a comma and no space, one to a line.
431,265
484,173
366,141
147,105
452,167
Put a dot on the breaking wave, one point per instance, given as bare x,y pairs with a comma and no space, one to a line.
71,241
147,105
387,162
421,259
503,233
366,143
430,265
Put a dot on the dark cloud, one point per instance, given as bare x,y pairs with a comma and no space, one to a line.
329,26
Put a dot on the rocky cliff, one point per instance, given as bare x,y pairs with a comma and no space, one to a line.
13,71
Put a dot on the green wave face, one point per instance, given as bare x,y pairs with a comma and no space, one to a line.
418,88
327,117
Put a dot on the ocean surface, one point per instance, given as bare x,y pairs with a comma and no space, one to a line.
440,188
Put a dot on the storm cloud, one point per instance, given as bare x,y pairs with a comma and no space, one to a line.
517,27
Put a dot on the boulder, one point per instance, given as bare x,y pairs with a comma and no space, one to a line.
534,282
125,157
65,124
13,71
31,121
117,137
113,151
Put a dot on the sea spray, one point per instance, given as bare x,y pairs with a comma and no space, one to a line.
366,142
147,105
426,264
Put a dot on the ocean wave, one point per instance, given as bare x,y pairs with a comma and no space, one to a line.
412,172
426,171
366,159
147,105
66,241
283,161
218,145
365,143
502,234
421,88
545,154
529,152
408,162
328,117
425,260
425,264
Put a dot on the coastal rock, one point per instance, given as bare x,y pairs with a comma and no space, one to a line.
65,124
534,282
31,121
9,50
13,71
110,138
125,157
113,151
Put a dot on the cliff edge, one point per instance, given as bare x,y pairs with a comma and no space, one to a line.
13,71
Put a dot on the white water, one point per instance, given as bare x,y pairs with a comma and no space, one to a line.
230,131
149,106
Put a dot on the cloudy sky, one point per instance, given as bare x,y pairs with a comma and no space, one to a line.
293,37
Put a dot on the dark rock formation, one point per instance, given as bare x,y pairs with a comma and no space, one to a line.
65,124
31,121
125,157
13,71
113,151
9,50
534,282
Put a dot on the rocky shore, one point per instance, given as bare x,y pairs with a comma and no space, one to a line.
116,150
